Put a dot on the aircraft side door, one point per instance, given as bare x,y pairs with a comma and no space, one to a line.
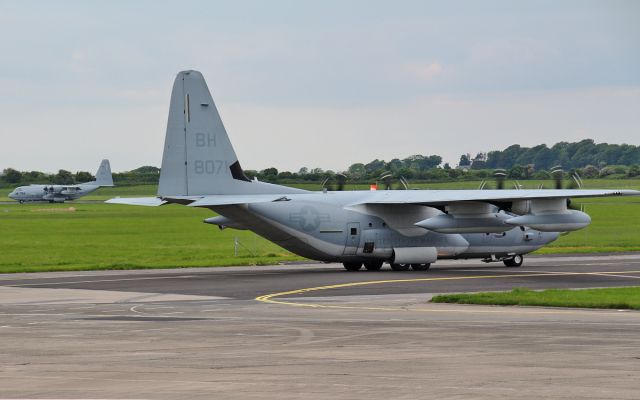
353,238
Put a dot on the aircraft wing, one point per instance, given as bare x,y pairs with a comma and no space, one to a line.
444,197
138,201
199,201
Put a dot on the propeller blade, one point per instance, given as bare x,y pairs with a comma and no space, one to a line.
404,183
577,180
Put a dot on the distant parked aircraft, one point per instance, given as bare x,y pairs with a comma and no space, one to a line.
61,193
406,228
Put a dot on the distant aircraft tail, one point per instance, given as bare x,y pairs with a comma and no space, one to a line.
103,176
198,157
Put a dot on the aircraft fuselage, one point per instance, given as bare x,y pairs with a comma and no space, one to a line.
322,226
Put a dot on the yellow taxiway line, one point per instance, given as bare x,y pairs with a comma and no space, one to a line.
273,297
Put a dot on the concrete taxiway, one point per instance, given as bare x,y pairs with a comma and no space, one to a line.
315,331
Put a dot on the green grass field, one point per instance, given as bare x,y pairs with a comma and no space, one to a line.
617,298
45,237
49,237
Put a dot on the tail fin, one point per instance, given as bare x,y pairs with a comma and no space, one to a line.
198,157
103,176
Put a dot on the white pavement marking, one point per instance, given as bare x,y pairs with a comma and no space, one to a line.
40,296
94,281
616,275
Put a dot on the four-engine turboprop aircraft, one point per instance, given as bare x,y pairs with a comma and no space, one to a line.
407,229
60,193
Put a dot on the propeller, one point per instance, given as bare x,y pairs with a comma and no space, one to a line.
324,184
557,173
340,180
404,183
500,175
558,176
387,180
577,181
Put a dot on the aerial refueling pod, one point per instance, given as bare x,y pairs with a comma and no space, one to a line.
551,215
414,255
570,220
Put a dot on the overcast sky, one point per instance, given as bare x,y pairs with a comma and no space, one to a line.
315,83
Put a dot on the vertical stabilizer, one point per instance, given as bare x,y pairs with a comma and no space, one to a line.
103,176
198,157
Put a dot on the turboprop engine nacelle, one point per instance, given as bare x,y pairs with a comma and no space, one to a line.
446,223
468,217
551,215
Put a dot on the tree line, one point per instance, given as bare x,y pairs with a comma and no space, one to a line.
588,159
138,176
569,155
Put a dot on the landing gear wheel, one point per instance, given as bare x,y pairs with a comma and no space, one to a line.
420,267
514,261
352,266
373,265
400,267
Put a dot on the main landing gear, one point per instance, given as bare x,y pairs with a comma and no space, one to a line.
375,265
405,267
352,266
514,261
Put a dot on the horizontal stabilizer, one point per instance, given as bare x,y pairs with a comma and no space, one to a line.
138,201
225,200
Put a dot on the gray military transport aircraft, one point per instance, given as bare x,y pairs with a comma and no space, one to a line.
61,193
406,228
